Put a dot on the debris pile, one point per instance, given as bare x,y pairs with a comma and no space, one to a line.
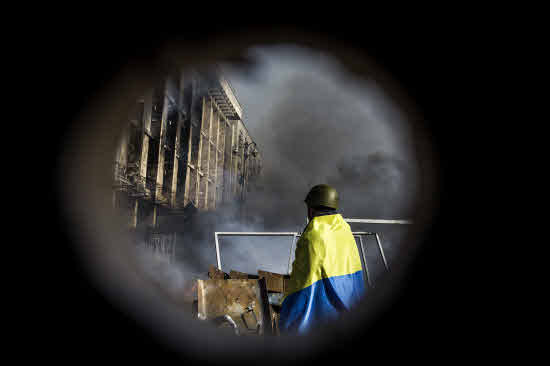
249,304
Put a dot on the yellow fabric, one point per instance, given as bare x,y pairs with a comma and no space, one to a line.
326,249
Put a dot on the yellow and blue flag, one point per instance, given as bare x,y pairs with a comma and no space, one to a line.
326,277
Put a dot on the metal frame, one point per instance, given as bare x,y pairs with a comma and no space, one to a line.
379,221
356,234
248,233
377,237
364,255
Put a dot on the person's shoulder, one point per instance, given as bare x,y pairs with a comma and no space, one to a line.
327,223
318,231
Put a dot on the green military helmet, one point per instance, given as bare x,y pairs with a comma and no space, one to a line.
322,195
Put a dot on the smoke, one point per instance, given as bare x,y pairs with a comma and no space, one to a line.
170,278
313,124
383,185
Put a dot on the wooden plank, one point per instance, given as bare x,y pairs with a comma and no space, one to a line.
238,275
275,281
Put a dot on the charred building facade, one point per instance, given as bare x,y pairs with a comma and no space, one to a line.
185,148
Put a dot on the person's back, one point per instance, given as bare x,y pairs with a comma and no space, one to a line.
326,277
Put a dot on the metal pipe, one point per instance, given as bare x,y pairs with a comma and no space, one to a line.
356,233
230,320
382,252
363,252
379,221
252,233
218,252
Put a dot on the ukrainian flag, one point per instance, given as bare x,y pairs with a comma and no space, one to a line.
326,277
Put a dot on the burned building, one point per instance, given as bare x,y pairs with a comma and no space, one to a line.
185,148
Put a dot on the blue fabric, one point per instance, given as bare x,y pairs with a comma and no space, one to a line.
323,301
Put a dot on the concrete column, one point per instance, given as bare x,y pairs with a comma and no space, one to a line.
190,152
212,162
188,179
216,138
208,139
209,185
235,159
162,142
220,174
204,152
177,152
200,176
244,165
197,184
193,152
241,160
228,154
148,105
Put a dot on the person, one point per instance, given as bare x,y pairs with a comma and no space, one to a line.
326,278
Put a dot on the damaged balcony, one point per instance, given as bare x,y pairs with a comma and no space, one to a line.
224,95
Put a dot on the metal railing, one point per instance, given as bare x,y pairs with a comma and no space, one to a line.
377,237
356,234
379,221
217,234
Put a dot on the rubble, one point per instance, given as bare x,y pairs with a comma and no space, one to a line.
244,301
248,303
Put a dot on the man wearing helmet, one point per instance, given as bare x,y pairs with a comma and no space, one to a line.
326,278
